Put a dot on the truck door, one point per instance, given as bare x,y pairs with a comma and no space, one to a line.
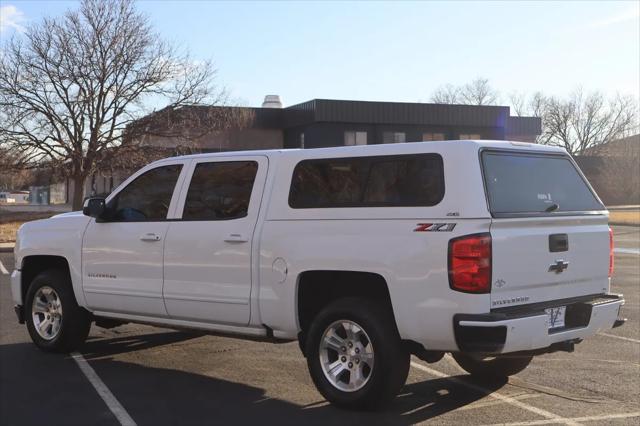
208,249
122,254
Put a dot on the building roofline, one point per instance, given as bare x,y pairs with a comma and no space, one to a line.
396,103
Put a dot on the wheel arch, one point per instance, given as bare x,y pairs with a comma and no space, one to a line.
317,288
35,264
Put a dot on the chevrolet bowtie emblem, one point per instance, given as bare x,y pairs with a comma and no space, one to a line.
559,266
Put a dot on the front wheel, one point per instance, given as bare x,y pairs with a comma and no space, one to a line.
55,321
492,367
355,355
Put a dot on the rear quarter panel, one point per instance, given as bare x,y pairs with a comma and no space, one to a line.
414,265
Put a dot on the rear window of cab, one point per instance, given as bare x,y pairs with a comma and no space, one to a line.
411,180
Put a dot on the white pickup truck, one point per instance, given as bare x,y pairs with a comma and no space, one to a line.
493,251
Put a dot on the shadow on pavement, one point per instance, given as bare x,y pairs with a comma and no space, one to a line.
161,396
43,388
102,347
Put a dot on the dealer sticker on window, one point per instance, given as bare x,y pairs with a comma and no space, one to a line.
555,317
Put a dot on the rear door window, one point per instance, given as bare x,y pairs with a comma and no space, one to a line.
376,181
519,183
220,190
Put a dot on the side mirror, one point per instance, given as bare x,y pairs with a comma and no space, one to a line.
94,207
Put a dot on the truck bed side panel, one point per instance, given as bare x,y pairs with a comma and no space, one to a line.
414,265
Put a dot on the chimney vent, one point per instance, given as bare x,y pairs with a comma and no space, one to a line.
272,101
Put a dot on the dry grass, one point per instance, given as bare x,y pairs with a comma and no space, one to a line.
625,217
11,221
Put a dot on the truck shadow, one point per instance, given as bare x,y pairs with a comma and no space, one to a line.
164,396
99,347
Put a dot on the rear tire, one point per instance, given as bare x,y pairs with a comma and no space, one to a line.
355,356
54,320
487,367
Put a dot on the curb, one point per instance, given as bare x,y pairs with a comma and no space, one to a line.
622,208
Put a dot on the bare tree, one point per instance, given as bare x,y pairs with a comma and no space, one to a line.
13,174
188,125
536,104
476,92
447,94
620,174
518,103
583,123
479,92
69,87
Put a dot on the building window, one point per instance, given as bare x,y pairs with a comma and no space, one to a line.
394,137
466,136
301,140
432,137
355,138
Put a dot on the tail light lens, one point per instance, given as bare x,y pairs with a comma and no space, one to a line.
610,252
470,263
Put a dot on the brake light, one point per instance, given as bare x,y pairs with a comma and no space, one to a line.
610,252
470,263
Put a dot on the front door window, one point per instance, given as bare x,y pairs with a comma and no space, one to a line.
147,198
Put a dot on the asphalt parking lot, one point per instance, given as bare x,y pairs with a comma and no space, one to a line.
162,377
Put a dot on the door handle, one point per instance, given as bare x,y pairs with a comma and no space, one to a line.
150,237
236,238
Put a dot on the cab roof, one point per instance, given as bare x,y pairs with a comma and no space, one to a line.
380,149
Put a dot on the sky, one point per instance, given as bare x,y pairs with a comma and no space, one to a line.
392,51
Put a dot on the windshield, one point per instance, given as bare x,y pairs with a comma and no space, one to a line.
533,183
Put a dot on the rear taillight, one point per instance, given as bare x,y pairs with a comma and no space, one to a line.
470,263
610,252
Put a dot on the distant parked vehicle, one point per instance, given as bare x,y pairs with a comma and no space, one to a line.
493,251
14,197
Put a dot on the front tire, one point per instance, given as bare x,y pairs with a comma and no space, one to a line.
54,320
489,368
355,356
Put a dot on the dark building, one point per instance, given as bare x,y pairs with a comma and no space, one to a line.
323,123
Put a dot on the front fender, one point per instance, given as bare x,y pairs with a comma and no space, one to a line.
58,236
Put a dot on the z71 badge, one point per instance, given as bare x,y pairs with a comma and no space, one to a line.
435,227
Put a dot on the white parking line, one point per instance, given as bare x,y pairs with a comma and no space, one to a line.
3,269
575,419
628,339
475,405
552,418
116,408
626,250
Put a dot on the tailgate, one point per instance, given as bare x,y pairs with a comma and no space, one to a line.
536,260
550,237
